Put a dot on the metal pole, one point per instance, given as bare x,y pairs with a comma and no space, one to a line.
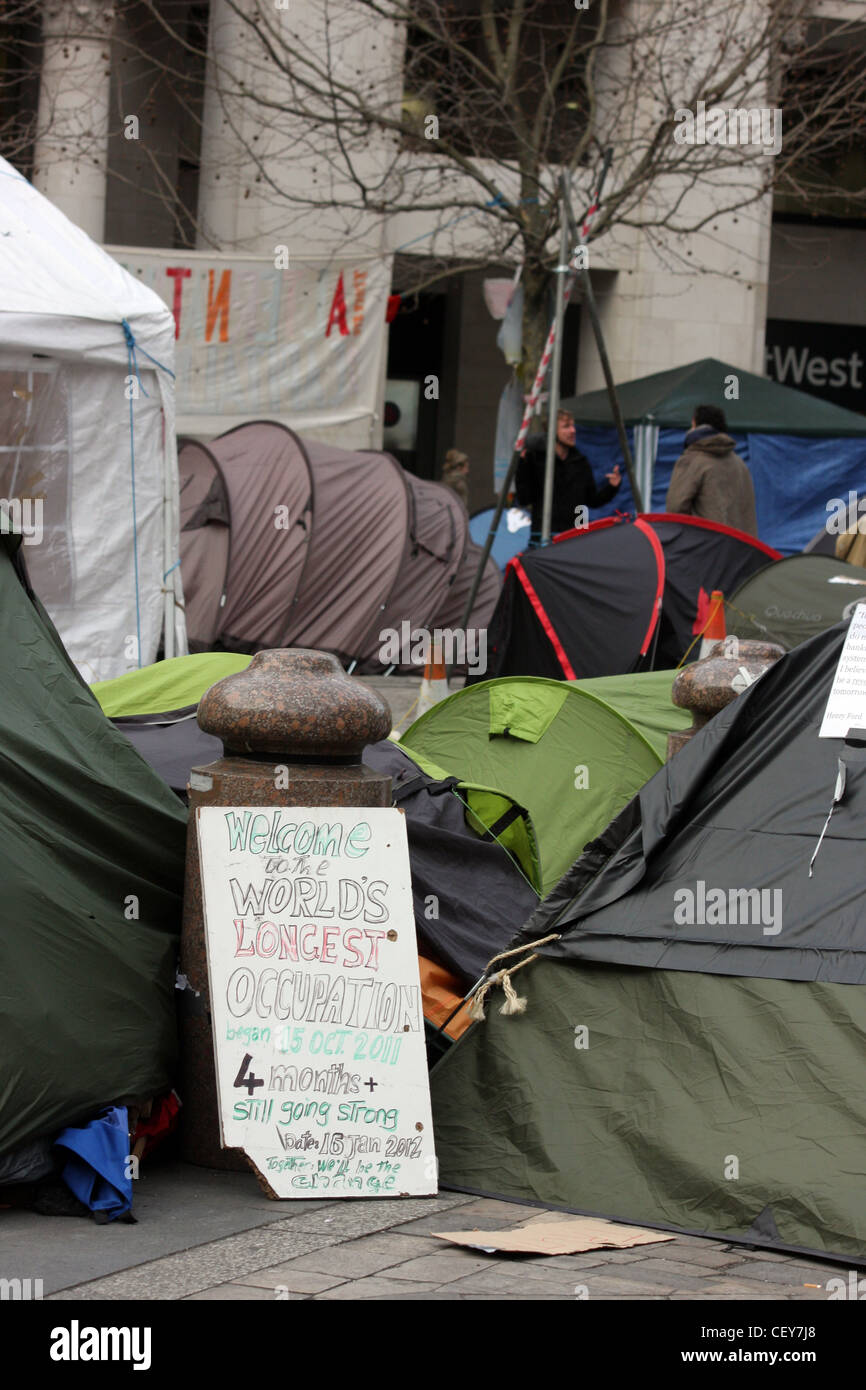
611,389
555,369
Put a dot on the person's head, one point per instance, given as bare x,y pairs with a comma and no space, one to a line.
710,415
565,431
455,462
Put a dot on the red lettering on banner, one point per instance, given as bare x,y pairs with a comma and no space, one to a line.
178,273
338,311
218,304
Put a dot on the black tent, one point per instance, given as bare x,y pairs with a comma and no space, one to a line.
691,1054
616,596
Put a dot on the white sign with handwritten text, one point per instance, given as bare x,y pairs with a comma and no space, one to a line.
846,706
316,1000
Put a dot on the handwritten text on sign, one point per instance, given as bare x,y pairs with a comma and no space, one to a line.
315,998
846,706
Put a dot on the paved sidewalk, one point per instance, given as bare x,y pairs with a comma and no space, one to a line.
386,1250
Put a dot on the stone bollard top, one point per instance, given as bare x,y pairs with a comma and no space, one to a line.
295,703
709,685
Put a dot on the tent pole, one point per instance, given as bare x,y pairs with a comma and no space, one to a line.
589,297
592,310
168,533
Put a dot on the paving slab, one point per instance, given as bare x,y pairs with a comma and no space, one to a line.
347,1218
287,1277
711,1259
177,1206
377,1286
244,1293
193,1271
604,1285
440,1268
792,1274
724,1287
355,1259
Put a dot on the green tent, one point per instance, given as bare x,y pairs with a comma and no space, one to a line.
167,685
793,599
644,698
762,406
566,756
92,865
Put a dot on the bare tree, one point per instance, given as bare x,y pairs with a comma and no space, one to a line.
365,112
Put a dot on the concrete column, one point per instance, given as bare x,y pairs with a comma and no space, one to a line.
72,145
222,132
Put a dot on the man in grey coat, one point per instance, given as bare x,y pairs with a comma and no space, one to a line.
709,480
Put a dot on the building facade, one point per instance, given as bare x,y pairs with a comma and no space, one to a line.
146,142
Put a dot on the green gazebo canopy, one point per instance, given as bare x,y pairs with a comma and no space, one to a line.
667,399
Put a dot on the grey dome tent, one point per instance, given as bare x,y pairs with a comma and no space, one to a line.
454,600
688,1062
438,531
796,598
240,568
286,542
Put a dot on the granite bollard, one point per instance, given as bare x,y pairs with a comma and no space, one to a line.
707,686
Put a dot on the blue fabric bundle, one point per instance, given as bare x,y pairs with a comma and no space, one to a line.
98,1164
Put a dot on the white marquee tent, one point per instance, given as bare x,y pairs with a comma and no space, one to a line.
88,459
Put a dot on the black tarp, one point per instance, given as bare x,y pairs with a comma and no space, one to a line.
172,743
739,809
469,896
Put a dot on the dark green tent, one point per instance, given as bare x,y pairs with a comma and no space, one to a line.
793,599
691,1051
668,399
91,860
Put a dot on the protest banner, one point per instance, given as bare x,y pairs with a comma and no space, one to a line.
315,998
277,338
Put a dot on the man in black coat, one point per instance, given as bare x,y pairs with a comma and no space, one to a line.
573,482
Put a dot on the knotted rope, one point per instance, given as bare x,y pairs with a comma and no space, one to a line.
514,1002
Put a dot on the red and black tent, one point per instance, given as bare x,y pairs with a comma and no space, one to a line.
618,595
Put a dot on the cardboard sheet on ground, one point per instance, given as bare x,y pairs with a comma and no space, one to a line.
556,1237
315,998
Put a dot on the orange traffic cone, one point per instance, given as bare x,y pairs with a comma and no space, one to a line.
434,686
715,630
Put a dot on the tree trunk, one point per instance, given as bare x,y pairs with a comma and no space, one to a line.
536,322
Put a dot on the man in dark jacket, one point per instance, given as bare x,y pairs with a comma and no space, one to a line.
573,480
709,479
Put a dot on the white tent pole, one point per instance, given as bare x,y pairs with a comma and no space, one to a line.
168,558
